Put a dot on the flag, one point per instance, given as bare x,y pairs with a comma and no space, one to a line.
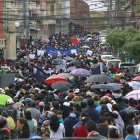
3,71
40,75
96,71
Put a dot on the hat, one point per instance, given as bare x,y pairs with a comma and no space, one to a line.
41,104
6,88
1,90
37,102
76,90
10,101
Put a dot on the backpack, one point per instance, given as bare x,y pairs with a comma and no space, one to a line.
11,121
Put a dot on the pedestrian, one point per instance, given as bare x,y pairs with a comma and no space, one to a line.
31,122
23,128
80,130
130,133
34,112
57,129
92,131
11,115
90,110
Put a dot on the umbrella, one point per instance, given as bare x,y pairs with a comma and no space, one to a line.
68,58
89,39
80,72
66,75
89,35
135,85
3,99
74,41
74,62
94,66
86,47
46,41
115,86
98,78
55,78
135,94
136,78
102,86
58,60
61,86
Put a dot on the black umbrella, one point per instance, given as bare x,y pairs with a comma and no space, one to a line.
100,78
96,65
61,86
102,86
74,62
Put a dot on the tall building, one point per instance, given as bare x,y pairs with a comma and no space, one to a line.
64,16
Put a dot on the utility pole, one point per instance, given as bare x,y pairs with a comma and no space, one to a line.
133,14
117,13
110,16
24,11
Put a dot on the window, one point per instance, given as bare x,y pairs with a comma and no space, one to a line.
52,9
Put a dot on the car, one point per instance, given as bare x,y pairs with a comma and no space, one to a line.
114,62
105,58
126,64
138,66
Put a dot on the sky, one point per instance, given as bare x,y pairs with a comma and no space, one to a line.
96,5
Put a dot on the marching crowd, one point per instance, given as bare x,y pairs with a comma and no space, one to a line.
36,110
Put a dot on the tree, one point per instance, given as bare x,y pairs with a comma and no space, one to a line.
115,40
126,42
132,47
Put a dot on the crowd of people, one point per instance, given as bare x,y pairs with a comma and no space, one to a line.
36,110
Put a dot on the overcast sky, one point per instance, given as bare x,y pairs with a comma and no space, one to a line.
96,5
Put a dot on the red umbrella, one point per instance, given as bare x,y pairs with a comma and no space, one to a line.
136,78
74,41
55,78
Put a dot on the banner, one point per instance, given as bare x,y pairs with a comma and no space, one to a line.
2,43
55,51
32,56
40,52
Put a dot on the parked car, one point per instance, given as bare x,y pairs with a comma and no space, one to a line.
126,64
114,62
138,66
105,58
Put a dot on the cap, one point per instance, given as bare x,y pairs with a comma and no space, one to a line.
6,88
41,104
10,101
76,90
37,102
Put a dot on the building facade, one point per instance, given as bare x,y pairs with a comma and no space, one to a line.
64,16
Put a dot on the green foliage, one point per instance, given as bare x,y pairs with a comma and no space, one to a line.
122,3
115,39
137,8
127,41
